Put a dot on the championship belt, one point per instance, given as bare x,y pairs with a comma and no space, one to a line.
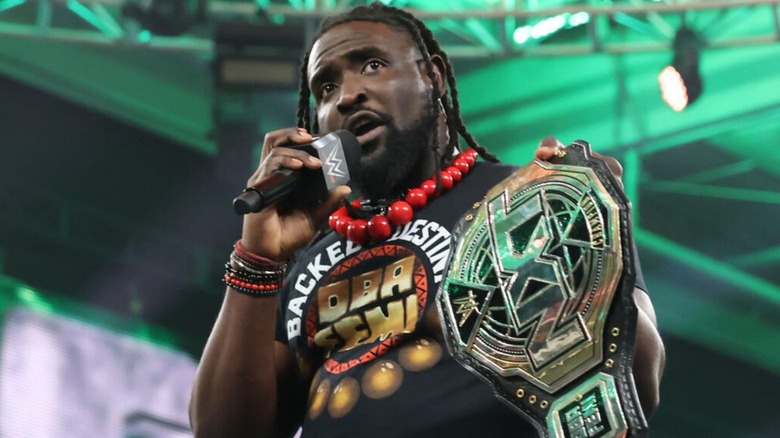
538,297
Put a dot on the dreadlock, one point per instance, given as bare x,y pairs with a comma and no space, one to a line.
427,45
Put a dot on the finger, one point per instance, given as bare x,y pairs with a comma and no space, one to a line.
614,165
300,158
286,136
547,148
284,158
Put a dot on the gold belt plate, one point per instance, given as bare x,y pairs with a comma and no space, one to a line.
537,300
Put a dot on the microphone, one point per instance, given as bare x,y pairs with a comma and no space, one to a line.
339,152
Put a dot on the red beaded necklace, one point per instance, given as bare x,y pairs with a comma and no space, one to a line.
400,212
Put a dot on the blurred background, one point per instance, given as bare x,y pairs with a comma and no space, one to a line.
127,127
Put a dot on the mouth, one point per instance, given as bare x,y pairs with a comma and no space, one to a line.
366,126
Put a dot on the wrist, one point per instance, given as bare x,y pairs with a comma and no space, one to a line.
252,274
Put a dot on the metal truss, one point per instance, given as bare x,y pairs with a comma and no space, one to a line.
466,28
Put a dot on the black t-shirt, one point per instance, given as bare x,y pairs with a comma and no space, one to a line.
364,328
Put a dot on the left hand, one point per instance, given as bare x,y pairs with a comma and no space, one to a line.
549,145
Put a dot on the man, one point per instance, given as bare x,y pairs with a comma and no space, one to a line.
353,345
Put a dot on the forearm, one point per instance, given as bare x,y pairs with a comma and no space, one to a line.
649,356
234,393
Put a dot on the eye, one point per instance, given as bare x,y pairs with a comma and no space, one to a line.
372,66
326,89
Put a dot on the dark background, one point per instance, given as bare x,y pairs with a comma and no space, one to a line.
105,214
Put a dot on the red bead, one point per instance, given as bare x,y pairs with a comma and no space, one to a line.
355,203
468,158
342,224
429,187
417,198
454,173
446,181
461,165
400,213
254,286
357,231
379,228
340,212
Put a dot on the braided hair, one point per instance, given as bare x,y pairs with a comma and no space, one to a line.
428,46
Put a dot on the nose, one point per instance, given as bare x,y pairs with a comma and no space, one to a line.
351,93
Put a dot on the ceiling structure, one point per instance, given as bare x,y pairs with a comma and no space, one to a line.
705,182
467,28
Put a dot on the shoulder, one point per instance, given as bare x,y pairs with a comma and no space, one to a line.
485,175
490,168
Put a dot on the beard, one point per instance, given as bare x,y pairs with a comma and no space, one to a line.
404,161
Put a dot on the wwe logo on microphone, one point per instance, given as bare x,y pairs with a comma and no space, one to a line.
338,151
333,163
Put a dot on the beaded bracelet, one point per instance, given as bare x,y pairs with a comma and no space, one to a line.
253,275
254,259
253,268
265,276
251,288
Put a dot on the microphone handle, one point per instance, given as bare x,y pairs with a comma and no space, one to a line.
274,187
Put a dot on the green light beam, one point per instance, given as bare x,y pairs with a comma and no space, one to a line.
708,129
453,26
719,172
8,4
92,18
719,192
510,22
744,281
757,258
484,36
654,17
32,299
108,19
634,24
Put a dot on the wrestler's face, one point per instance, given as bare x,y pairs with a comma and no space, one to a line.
369,78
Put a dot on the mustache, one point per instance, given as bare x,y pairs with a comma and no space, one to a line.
383,117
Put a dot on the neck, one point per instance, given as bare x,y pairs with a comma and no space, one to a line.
423,168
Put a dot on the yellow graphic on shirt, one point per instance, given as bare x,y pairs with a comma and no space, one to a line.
370,307
381,380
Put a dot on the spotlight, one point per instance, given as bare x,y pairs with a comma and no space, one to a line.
680,82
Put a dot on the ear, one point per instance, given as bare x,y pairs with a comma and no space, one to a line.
440,73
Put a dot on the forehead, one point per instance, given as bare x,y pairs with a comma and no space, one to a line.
342,39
